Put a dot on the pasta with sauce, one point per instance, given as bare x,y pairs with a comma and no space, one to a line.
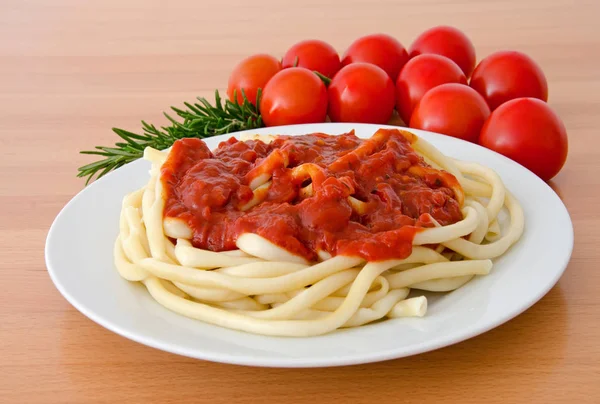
302,235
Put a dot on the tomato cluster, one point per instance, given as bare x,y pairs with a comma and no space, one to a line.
435,85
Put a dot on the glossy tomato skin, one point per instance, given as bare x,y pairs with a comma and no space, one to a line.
420,75
379,49
506,75
449,42
313,54
361,92
529,132
451,109
251,74
293,96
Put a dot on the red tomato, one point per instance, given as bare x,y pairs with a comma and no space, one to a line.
420,75
507,75
529,132
379,49
251,74
451,109
449,42
292,96
313,55
361,92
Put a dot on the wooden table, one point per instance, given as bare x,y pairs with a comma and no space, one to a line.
70,70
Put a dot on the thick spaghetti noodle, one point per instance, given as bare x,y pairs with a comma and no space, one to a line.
299,236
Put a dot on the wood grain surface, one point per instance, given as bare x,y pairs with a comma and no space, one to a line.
70,70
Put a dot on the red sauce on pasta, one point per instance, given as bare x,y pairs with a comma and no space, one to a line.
396,192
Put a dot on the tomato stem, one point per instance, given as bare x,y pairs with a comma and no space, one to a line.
326,80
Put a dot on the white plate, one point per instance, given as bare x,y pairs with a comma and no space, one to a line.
80,262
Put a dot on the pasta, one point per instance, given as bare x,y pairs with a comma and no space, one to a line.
267,283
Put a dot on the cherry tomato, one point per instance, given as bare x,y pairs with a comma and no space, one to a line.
420,75
379,49
507,75
292,96
313,55
361,92
449,42
251,74
451,109
530,133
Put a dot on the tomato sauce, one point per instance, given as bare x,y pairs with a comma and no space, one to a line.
398,193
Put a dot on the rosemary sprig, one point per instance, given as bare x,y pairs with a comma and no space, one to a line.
200,119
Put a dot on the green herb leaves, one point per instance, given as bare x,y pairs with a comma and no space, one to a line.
200,119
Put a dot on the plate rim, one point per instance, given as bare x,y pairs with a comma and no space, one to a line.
302,362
